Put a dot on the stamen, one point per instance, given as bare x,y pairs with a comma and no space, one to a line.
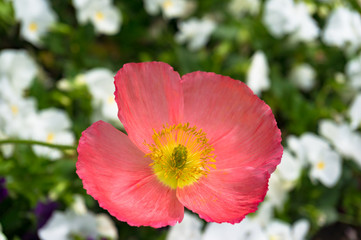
181,155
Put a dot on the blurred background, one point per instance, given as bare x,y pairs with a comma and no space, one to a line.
57,62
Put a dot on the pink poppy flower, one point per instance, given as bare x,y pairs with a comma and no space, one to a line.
203,141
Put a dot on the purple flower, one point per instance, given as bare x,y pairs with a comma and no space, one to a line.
44,210
3,191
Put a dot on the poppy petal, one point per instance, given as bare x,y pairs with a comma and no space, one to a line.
117,174
149,95
226,195
240,127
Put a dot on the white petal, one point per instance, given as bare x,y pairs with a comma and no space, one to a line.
279,230
279,17
300,229
188,229
295,145
327,169
307,29
152,6
18,67
106,227
313,145
355,112
343,29
290,167
57,228
303,76
257,76
195,31
107,20
353,71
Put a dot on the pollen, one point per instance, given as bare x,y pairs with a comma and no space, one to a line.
181,155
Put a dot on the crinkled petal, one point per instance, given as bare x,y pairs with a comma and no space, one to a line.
149,95
226,195
240,126
117,174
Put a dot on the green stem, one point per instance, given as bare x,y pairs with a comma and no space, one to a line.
33,142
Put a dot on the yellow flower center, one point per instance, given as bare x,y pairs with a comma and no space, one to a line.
274,237
99,16
320,165
181,155
50,137
14,109
167,4
33,27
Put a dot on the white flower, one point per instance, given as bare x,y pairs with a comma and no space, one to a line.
278,189
36,18
105,17
353,71
78,221
78,206
307,29
196,32
290,166
284,17
100,84
241,7
278,230
52,126
264,213
346,141
325,163
18,68
62,226
257,76
176,8
188,229
343,29
355,112
15,112
300,229
246,230
170,8
294,144
2,236
303,76
152,6
6,149
106,227
279,17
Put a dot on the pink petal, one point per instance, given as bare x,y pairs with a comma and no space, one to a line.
149,95
117,174
226,195
239,125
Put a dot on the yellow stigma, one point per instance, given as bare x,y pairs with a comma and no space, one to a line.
99,16
50,137
33,27
320,165
181,155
